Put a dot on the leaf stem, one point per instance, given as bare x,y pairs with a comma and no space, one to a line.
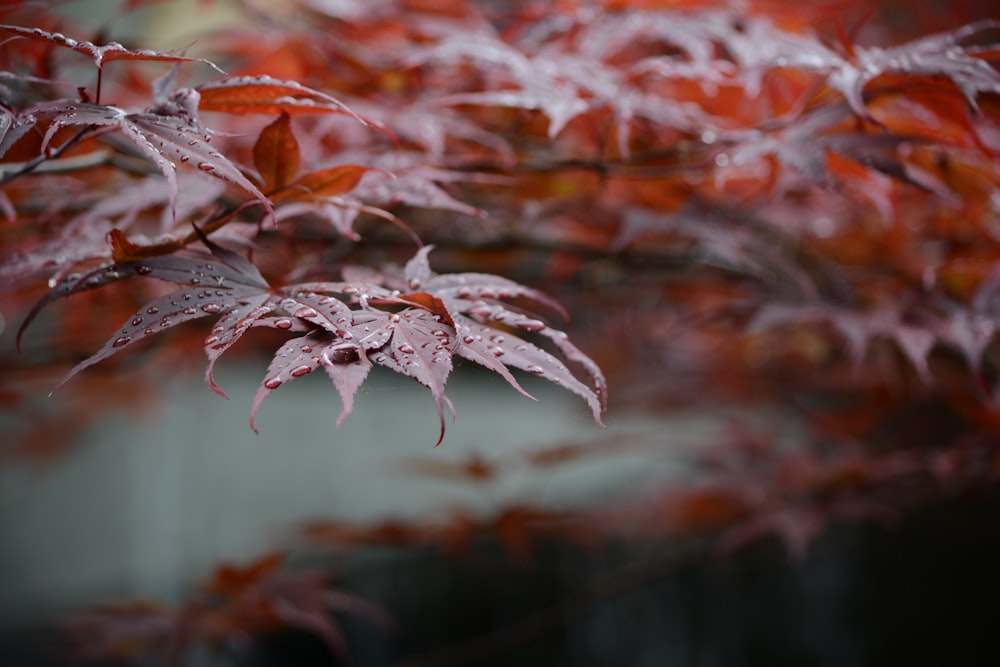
33,164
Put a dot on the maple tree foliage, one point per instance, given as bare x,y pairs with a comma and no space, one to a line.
788,208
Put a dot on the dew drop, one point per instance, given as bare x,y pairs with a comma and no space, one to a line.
189,310
121,340
273,383
143,270
301,370
136,321
283,323
195,281
468,340
206,166
185,158
306,349
166,322
537,370
149,331
211,308
394,318
498,352
532,325
406,349
211,340
305,312
152,310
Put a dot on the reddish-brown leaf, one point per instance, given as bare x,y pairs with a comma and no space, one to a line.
276,153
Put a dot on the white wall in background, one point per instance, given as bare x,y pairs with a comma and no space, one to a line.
147,505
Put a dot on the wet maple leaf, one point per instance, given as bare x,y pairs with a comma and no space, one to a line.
940,55
348,327
168,134
102,53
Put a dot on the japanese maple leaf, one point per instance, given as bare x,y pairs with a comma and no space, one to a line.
167,134
339,194
859,328
475,303
100,54
540,87
938,55
458,314
267,95
12,128
415,334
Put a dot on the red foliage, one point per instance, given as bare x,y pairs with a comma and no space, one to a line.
738,209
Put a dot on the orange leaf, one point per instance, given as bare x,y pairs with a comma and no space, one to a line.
123,250
276,153
430,303
325,182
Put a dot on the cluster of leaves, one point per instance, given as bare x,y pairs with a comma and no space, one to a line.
412,323
748,204
236,601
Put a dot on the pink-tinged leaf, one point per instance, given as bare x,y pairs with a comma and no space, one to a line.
858,329
419,347
347,371
477,286
322,310
417,275
542,84
224,284
298,357
329,182
156,316
100,54
99,277
969,333
276,153
936,55
12,128
236,321
472,299
165,140
417,186
417,271
475,348
267,95
484,341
